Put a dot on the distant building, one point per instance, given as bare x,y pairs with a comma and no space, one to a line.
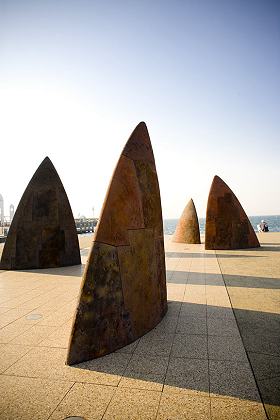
1,210
12,211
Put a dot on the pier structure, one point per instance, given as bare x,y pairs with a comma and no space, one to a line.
86,224
5,221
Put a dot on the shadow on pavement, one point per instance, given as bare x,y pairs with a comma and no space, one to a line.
73,271
194,278
200,255
175,353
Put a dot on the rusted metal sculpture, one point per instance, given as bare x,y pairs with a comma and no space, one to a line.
187,229
123,293
227,225
43,232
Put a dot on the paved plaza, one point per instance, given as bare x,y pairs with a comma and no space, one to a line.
215,355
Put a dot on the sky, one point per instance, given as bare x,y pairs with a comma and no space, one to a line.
76,77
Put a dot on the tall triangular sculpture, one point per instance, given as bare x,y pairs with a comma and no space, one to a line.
43,232
123,293
227,225
187,229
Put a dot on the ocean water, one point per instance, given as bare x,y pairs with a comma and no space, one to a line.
169,225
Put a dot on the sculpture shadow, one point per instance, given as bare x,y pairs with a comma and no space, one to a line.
252,282
199,255
270,248
71,271
195,349
270,244
193,278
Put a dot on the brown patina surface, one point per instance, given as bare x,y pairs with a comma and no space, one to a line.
227,225
123,293
43,232
187,229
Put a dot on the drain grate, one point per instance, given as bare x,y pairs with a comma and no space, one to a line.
74,418
33,317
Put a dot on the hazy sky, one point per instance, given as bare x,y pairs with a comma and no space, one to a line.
77,76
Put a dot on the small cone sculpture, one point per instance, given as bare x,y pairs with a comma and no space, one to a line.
187,229
43,232
123,292
227,225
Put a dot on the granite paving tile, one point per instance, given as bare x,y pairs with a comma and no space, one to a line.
146,364
84,400
232,379
220,312
133,404
30,398
155,344
229,348
184,407
129,349
11,331
270,392
261,343
265,365
187,376
222,327
166,374
192,325
167,325
151,381
59,338
34,335
236,409
190,346
192,309
10,353
51,364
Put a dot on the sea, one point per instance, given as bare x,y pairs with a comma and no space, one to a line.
273,222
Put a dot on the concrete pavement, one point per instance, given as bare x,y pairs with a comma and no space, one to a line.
193,365
252,278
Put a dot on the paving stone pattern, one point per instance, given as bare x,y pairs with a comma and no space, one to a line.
253,283
191,366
